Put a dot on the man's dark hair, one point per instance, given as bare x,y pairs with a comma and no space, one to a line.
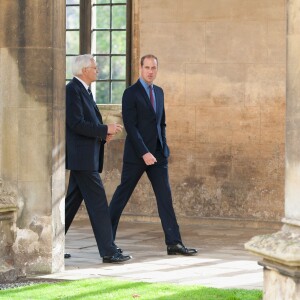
148,56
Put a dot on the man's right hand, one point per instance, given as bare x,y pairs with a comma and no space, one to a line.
149,159
114,128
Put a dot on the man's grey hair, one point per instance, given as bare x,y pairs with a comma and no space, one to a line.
79,62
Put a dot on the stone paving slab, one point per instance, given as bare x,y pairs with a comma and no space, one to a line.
222,261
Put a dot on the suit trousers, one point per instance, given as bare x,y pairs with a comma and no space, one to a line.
87,185
159,178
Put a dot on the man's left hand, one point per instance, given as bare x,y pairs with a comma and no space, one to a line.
109,137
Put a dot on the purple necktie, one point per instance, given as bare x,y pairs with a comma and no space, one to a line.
151,96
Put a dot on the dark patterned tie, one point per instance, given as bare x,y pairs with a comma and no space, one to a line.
90,93
94,103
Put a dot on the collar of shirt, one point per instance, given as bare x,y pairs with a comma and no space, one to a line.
84,84
146,86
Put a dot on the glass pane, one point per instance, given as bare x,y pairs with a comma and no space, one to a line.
117,89
102,17
72,42
102,40
118,42
102,92
118,67
72,17
69,74
102,1
119,17
103,67
118,1
72,2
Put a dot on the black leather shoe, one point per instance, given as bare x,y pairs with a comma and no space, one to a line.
67,255
119,250
180,249
116,258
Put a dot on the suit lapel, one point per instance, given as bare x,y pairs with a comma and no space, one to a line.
90,98
93,101
97,111
95,107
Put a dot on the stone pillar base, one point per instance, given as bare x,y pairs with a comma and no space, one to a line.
280,254
279,284
7,273
8,211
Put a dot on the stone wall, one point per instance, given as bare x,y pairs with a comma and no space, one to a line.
222,67
32,97
8,208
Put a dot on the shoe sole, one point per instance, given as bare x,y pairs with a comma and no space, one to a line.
115,262
178,253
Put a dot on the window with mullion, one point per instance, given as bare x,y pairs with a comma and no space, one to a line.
72,33
99,27
109,49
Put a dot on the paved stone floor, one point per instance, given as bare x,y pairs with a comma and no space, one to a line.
222,261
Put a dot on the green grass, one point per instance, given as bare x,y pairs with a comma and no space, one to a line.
106,289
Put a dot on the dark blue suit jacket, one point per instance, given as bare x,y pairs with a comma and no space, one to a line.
143,125
85,132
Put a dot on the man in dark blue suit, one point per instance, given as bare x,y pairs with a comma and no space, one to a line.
85,138
146,150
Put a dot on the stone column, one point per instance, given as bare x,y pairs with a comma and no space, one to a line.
280,252
32,124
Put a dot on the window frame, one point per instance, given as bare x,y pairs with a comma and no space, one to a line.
85,39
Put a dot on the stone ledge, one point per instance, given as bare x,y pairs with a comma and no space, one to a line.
283,270
282,247
5,209
201,221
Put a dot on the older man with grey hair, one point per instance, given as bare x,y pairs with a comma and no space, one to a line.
85,138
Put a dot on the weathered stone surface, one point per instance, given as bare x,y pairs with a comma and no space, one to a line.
184,40
292,187
236,42
31,247
280,287
223,72
212,85
199,10
280,251
7,273
32,93
281,246
8,207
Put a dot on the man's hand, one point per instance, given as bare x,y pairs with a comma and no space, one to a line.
114,128
109,137
149,159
